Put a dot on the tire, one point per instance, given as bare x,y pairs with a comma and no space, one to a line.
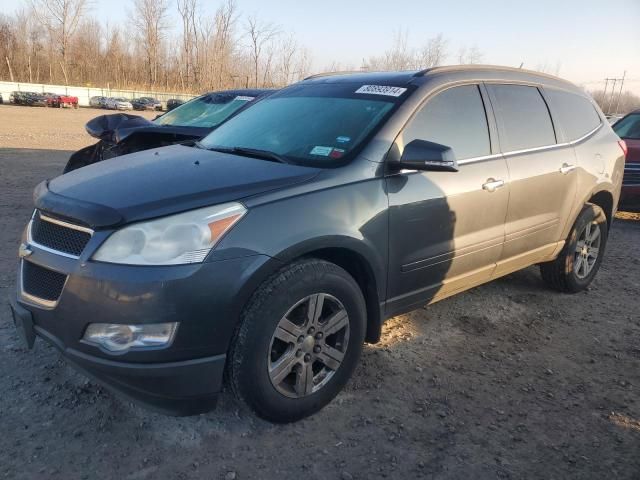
575,267
265,349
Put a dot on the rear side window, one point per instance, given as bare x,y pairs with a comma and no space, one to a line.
455,118
524,118
576,115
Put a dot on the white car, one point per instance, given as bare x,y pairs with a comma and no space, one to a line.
118,103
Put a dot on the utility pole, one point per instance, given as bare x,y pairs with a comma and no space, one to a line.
614,82
620,93
613,91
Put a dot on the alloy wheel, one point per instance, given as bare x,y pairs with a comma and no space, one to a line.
308,345
587,250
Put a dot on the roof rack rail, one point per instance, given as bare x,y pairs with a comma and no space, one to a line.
330,74
422,73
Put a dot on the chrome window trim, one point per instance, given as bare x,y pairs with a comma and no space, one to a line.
529,150
46,218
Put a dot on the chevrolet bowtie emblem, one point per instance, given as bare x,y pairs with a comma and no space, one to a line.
24,251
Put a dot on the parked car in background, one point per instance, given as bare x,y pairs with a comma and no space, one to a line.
118,103
121,134
36,100
97,102
53,99
267,253
146,103
68,101
628,129
173,103
20,98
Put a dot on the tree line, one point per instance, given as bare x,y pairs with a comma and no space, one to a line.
62,42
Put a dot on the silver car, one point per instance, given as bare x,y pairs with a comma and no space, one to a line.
118,103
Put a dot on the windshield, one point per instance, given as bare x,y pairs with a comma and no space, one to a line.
628,127
206,111
308,125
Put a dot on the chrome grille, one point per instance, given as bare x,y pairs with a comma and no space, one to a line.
58,235
41,283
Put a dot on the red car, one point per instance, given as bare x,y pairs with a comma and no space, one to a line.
628,129
67,101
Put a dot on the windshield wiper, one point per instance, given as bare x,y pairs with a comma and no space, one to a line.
252,152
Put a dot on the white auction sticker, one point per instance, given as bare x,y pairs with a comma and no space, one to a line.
381,90
318,150
244,99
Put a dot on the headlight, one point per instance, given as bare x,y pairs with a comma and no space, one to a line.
183,238
118,338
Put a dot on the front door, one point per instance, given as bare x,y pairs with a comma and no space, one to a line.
446,229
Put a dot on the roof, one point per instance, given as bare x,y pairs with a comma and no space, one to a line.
386,78
480,72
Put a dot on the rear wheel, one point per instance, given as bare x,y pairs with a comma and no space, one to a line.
581,256
299,341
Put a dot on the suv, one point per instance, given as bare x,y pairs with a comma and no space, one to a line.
271,250
628,128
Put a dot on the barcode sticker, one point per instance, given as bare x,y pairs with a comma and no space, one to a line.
381,90
244,98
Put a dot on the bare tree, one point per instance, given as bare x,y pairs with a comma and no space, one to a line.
470,55
260,35
149,19
223,42
627,103
433,53
401,57
61,19
187,10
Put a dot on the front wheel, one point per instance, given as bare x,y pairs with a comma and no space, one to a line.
581,256
299,341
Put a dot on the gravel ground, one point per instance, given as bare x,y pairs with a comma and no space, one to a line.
508,380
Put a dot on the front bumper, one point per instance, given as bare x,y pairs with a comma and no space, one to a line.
206,299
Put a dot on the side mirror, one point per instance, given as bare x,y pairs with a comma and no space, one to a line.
430,156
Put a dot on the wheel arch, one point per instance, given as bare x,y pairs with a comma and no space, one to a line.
361,263
604,199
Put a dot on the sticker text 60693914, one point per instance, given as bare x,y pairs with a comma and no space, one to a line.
381,90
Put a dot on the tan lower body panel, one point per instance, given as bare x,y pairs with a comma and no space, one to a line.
469,280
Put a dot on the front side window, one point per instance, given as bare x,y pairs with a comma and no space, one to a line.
523,116
206,111
455,118
628,127
576,114
318,125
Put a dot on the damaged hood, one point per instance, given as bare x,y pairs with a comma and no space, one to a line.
160,182
117,127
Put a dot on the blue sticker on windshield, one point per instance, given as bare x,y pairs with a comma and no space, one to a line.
343,139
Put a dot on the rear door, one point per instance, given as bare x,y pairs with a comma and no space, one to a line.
542,175
446,229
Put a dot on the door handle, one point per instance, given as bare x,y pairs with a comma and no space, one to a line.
492,185
566,168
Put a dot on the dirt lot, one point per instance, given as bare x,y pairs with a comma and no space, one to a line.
508,380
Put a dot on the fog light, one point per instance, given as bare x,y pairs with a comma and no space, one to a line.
118,338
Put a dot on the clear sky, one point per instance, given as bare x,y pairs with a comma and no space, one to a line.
588,39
